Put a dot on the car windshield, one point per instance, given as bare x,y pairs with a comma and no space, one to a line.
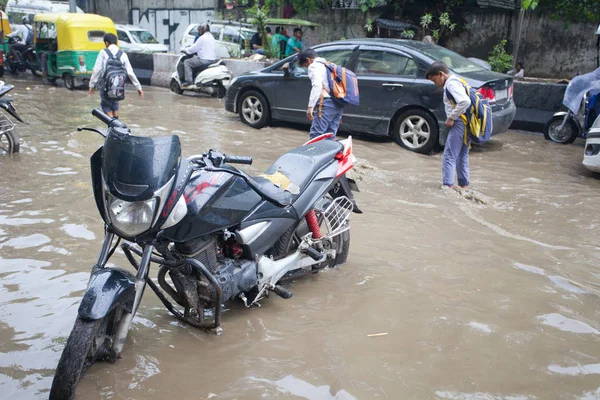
247,34
143,37
454,61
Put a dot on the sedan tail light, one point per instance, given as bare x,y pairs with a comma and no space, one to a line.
488,93
510,92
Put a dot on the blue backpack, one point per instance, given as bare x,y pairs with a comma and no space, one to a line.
29,38
478,117
343,84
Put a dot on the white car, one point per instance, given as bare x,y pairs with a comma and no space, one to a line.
138,40
591,154
230,37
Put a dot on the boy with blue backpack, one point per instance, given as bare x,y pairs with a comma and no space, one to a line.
332,88
469,119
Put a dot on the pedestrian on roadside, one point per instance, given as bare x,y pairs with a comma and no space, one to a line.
324,111
111,107
294,44
276,41
456,152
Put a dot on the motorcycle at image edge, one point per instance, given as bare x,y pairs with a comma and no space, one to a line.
22,61
9,139
213,80
218,233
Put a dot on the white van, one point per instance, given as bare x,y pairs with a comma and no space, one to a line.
230,37
138,40
17,9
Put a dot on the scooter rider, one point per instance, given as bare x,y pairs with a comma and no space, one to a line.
24,34
204,51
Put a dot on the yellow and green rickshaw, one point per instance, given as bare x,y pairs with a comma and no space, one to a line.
68,45
4,30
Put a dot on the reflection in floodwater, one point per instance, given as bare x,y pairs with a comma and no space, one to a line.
491,299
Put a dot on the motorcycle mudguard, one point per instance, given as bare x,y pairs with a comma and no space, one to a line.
6,105
345,188
108,288
577,124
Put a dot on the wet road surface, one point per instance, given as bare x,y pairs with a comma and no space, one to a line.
494,297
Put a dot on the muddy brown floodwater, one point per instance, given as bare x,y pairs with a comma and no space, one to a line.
492,300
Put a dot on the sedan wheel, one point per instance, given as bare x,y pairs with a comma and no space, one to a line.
254,109
416,130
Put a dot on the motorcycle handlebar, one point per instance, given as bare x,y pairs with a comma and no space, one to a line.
238,160
110,122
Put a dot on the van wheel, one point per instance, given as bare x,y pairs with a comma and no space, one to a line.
416,130
69,81
254,109
175,88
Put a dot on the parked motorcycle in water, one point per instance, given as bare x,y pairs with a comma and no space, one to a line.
582,99
21,60
213,80
9,139
218,233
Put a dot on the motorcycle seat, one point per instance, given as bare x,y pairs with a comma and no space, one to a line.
220,62
289,176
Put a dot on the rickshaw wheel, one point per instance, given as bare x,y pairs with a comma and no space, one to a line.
1,72
69,81
12,69
51,80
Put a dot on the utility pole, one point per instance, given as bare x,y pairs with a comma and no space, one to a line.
73,6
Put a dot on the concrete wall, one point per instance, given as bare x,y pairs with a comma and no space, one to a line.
163,66
166,19
548,48
335,24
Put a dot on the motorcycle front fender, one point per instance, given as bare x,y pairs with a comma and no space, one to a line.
577,123
107,289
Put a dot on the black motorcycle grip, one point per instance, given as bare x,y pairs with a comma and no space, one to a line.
96,112
238,160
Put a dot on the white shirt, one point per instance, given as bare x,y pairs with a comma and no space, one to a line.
101,63
457,90
317,72
21,32
205,47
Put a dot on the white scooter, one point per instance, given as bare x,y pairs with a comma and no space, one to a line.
213,80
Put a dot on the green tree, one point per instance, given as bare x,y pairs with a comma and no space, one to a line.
499,59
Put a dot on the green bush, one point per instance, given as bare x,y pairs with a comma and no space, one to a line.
499,59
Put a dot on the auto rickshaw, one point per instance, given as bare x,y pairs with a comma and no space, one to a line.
44,38
79,39
4,30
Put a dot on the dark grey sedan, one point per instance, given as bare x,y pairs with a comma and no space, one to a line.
395,97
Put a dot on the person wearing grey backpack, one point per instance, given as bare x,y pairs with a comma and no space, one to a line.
110,73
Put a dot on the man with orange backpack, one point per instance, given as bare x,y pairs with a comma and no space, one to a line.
332,88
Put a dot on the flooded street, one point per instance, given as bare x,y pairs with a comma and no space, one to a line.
495,297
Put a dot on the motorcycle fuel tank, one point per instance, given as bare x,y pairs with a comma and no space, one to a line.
215,201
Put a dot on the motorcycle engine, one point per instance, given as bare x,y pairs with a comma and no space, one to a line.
204,249
233,273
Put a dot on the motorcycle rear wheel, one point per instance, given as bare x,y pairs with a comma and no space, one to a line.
86,344
1,72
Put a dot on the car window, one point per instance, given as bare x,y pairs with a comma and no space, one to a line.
339,57
454,61
384,63
231,35
215,30
143,37
192,32
122,36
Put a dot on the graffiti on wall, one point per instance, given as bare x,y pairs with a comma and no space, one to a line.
168,25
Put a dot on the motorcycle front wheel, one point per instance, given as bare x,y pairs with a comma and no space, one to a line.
89,341
566,135
9,142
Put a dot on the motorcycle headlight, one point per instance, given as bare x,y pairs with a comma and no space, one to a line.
131,218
